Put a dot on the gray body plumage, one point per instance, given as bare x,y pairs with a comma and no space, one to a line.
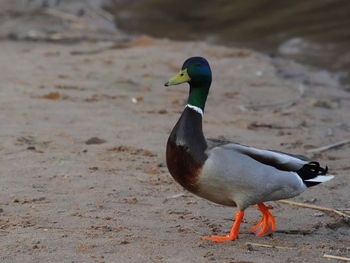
238,175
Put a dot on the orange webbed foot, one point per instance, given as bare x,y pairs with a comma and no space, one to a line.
258,226
267,224
234,231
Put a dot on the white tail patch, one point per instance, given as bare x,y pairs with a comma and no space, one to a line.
320,178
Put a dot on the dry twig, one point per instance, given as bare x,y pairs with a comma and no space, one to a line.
266,245
345,216
336,257
173,197
344,210
330,146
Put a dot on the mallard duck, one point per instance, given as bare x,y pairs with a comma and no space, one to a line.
228,173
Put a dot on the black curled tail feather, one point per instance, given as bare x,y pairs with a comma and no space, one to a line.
311,170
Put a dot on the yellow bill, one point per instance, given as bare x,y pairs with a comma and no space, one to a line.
180,77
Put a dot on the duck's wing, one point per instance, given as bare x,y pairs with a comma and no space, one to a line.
298,156
310,172
279,160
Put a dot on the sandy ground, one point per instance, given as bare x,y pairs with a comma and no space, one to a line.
83,134
63,200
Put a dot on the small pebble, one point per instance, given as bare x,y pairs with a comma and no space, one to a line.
95,140
259,73
311,201
250,247
319,214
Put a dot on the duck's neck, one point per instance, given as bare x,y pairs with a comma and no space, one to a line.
198,94
188,130
188,133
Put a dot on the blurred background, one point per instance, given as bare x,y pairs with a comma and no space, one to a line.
313,32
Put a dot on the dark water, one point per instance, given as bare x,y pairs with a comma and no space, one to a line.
313,32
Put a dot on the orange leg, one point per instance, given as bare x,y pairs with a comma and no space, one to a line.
267,224
234,231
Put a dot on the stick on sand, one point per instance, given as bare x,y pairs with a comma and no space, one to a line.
336,257
328,147
345,216
267,245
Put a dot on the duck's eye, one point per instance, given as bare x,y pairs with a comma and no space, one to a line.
181,74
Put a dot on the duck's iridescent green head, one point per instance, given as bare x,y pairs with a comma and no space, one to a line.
196,71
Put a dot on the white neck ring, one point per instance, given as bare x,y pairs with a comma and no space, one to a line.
195,108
